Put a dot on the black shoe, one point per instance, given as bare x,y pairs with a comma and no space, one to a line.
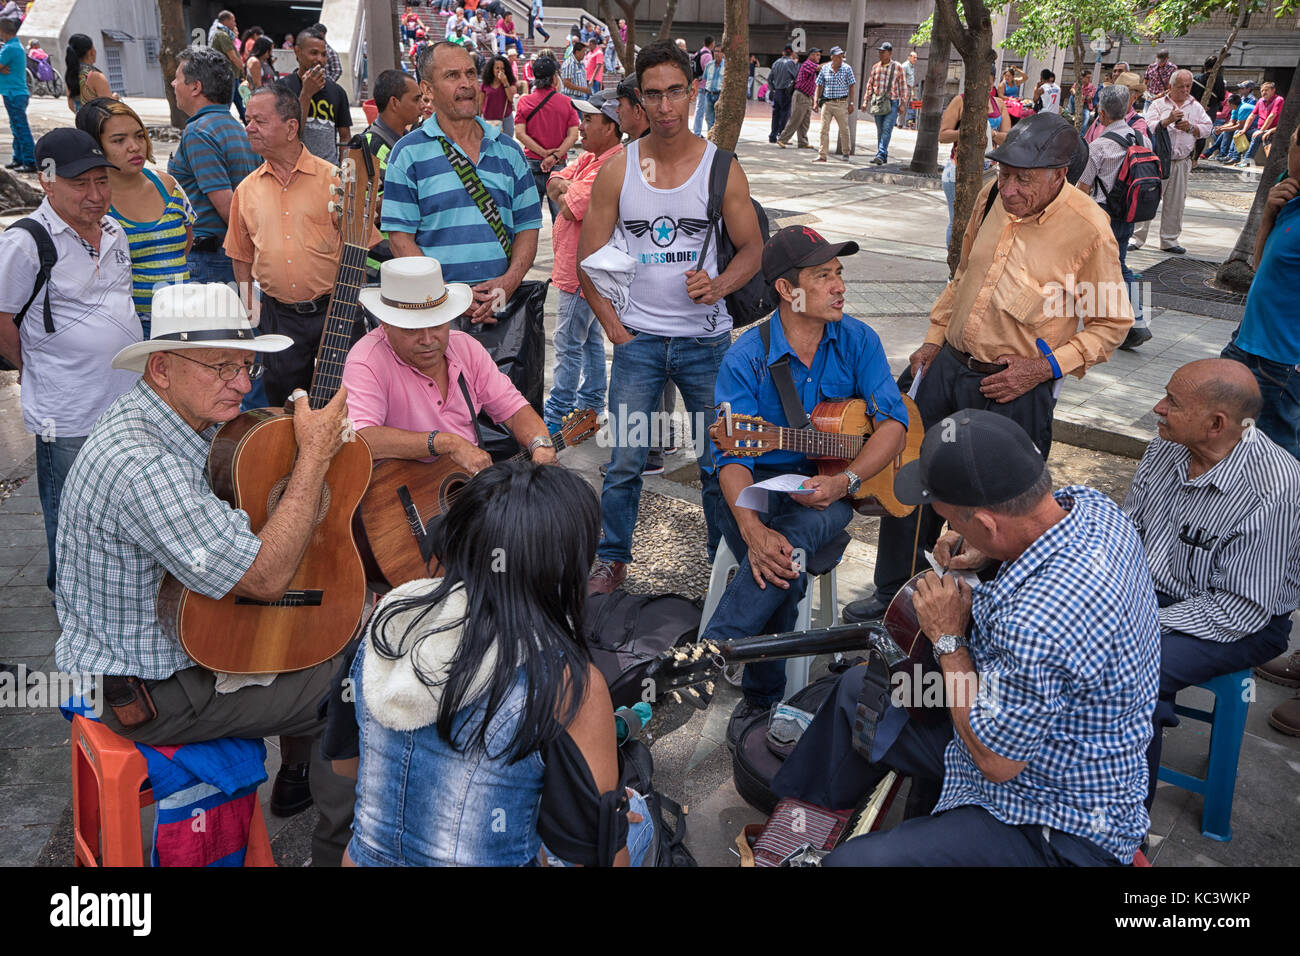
745,711
26,168
654,465
14,165
291,793
1176,250
867,609
878,161
1136,336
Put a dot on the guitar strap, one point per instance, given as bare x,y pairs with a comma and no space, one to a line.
473,412
791,403
425,535
487,206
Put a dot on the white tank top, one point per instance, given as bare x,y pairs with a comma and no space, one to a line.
665,230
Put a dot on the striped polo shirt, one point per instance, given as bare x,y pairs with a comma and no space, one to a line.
213,155
425,198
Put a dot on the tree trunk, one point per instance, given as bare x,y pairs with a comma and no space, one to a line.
925,157
1243,13
666,27
15,194
975,44
730,110
174,39
1080,107
1237,272
626,51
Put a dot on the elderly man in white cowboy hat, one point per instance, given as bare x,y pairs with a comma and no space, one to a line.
137,505
416,386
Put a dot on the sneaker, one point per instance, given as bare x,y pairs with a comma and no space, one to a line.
783,145
1136,336
1244,164
654,465
606,576
879,161
820,159
805,145
745,711
864,610
1134,246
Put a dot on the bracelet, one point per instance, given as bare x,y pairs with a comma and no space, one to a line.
432,435
539,442
1051,359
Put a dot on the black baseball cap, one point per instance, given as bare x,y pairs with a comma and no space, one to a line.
628,90
73,151
797,247
1041,141
971,459
544,67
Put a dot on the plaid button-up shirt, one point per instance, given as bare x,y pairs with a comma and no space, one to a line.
890,73
1066,643
805,81
1157,78
573,71
835,83
137,504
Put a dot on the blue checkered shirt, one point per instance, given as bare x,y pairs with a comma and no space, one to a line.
835,83
136,504
1066,643
573,71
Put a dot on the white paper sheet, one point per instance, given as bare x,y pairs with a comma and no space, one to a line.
755,496
970,577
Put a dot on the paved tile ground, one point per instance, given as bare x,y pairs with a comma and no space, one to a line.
892,285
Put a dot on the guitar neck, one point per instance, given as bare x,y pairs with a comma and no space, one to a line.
816,444
821,640
557,440
340,320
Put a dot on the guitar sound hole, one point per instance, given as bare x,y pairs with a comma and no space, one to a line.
449,492
277,492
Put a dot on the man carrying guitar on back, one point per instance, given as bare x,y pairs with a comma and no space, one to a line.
416,387
137,505
821,354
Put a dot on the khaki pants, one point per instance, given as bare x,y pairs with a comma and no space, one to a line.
190,710
837,110
800,116
1172,201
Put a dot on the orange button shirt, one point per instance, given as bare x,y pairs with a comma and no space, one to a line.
285,229
1020,280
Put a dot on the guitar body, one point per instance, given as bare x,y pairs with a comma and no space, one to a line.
902,624
849,417
386,531
248,467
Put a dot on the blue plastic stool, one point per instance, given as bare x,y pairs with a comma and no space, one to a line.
1227,727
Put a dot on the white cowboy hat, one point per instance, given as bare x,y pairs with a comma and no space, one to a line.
191,315
412,295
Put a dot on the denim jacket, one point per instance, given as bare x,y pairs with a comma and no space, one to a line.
420,802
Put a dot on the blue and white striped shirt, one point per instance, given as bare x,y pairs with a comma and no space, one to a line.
213,155
424,197
1066,643
1224,545
835,83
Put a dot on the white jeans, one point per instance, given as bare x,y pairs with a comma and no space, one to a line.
1172,201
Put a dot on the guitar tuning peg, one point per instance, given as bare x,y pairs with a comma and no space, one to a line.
697,653
693,692
679,656
708,687
714,649
333,207
677,697
336,190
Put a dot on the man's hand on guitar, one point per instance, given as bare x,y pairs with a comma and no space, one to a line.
942,605
771,557
466,454
319,432
954,554
829,489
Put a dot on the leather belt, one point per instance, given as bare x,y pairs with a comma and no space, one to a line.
308,307
206,244
984,368
833,99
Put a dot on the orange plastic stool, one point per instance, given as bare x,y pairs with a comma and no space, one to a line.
109,790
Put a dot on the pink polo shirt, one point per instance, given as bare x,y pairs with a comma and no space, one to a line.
384,390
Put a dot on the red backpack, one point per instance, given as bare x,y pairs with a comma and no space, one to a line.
1136,191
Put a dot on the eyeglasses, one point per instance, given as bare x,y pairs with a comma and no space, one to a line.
674,95
229,371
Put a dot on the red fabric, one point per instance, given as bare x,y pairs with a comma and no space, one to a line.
224,831
552,122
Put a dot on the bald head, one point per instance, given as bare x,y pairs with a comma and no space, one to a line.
1223,386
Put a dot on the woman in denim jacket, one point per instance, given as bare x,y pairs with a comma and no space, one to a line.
465,685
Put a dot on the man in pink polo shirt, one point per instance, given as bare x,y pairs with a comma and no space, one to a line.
415,386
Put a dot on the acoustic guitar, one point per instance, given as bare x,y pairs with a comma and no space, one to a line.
899,639
394,526
248,467
839,431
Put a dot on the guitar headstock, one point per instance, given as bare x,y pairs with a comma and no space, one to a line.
578,426
677,672
745,436
359,192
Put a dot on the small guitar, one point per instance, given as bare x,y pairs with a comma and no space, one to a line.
248,467
392,525
901,642
839,431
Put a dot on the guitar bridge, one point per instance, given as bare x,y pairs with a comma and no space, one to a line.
305,598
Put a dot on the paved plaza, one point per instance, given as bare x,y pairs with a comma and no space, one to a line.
891,285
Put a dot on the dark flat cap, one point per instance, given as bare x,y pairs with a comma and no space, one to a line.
1041,141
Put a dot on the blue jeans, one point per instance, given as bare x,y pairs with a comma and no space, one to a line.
505,41
701,107
1279,384
1123,232
640,370
540,178
746,609
1256,140
885,129
210,266
579,379
949,193
53,462
24,146
1222,146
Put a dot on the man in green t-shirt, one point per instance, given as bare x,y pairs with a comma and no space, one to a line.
223,36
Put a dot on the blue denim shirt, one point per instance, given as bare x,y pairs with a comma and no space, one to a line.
422,803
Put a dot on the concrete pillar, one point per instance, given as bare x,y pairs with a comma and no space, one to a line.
854,56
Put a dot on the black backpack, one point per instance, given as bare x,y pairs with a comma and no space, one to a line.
1161,146
1135,193
755,299
697,69
636,770
48,256
627,632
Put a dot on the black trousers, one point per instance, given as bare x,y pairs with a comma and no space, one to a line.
781,100
293,367
948,387
825,770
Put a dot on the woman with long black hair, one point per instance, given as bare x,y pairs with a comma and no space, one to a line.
485,729
84,80
499,89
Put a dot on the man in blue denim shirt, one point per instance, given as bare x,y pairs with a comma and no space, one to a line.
831,356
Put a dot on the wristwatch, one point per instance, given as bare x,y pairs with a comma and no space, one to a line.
947,644
854,482
539,442
433,435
